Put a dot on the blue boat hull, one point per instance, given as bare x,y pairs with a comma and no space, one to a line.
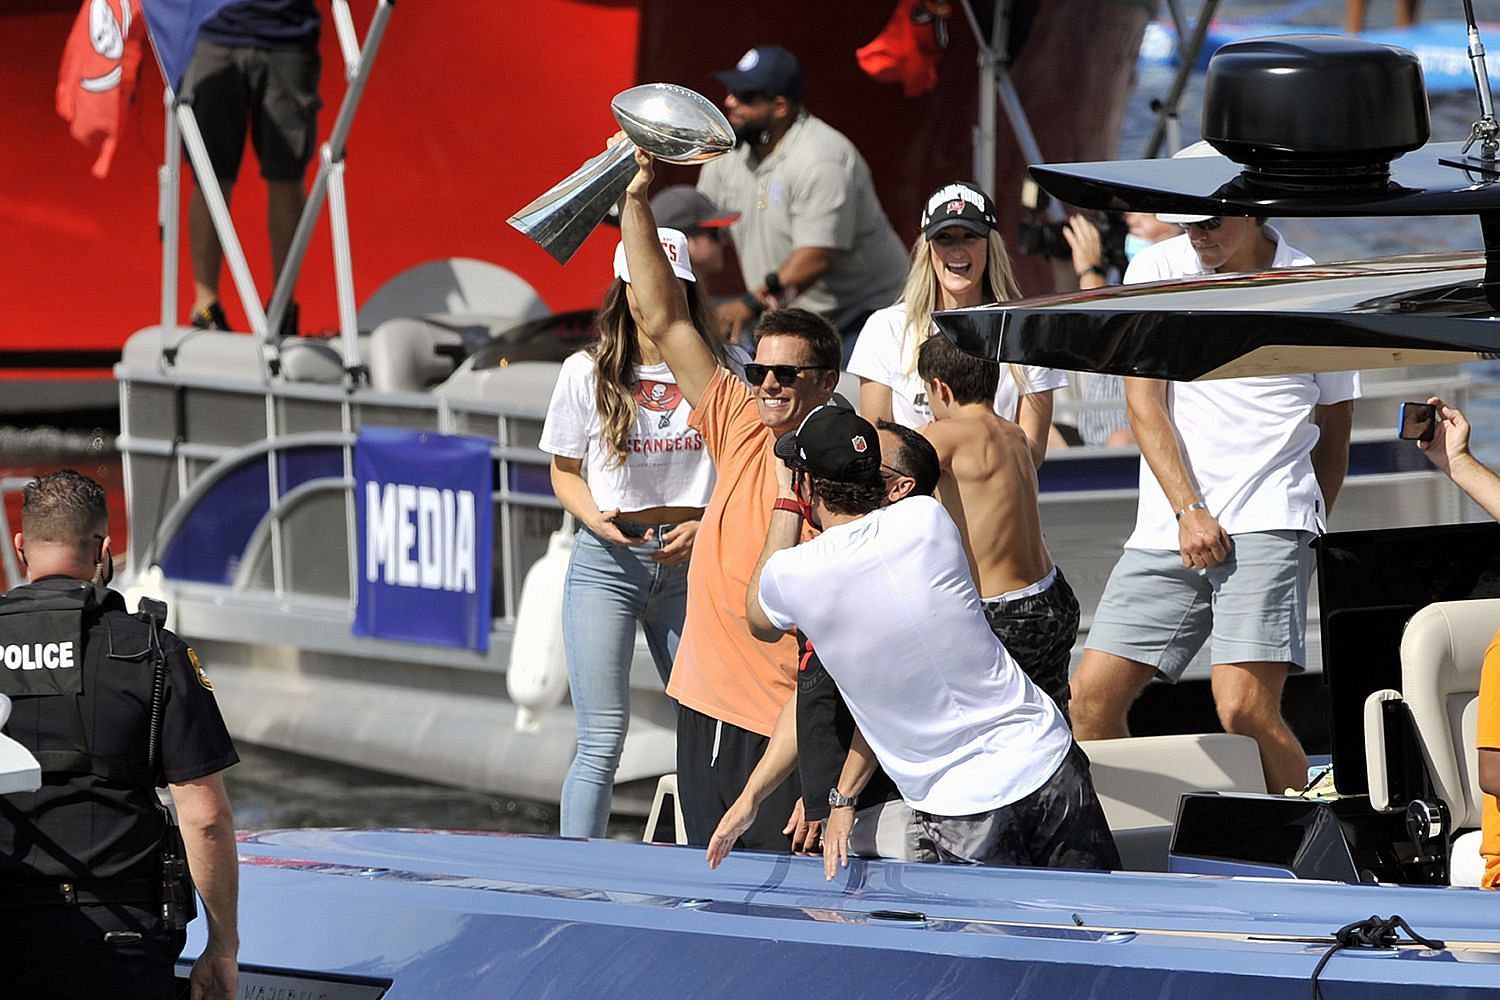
476,915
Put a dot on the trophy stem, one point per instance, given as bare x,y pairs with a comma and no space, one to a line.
562,218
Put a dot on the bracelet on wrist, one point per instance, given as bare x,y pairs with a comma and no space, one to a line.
1094,269
754,304
773,283
1195,505
782,503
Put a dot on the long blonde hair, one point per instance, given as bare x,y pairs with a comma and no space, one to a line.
617,350
921,295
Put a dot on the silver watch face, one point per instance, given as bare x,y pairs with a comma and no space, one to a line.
836,800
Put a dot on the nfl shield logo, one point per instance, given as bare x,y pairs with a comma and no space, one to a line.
859,443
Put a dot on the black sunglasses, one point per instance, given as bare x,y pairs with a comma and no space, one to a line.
895,473
755,374
1207,225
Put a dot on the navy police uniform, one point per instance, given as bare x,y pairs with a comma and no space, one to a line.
84,896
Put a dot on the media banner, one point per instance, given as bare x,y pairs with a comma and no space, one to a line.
425,522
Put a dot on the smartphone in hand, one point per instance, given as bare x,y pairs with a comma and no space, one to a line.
1416,422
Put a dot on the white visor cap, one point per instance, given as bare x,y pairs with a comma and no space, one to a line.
673,244
1199,148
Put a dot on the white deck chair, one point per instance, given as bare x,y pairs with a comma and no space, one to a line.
1442,652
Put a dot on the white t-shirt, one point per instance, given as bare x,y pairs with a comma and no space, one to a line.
888,603
665,463
1248,441
881,355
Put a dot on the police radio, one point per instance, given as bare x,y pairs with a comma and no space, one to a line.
179,904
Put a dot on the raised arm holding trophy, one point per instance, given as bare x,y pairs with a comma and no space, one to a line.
669,122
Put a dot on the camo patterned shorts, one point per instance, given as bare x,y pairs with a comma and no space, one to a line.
1060,825
1039,631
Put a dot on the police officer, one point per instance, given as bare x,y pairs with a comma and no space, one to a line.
94,897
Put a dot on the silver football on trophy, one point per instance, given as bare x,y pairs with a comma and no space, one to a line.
670,122
673,123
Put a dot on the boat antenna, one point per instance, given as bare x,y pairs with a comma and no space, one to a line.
1484,131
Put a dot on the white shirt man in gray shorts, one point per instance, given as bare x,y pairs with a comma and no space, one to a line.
1237,478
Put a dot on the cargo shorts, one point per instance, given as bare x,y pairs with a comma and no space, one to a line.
1253,605
272,92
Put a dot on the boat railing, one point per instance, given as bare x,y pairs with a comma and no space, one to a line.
249,486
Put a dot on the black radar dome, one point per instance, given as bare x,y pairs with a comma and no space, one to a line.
1314,112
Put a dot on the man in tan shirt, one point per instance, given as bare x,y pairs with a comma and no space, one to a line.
989,488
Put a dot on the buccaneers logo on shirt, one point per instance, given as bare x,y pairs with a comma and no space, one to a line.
663,397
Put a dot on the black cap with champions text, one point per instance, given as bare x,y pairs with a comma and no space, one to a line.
833,443
962,205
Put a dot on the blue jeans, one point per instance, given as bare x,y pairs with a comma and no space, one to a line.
608,589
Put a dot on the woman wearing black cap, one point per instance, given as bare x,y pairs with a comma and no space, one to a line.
959,260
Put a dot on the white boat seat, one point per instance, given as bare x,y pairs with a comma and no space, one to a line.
308,359
230,357
234,357
526,385
412,353
1442,654
1139,781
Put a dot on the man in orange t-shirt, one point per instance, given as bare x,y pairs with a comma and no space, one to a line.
730,687
1488,738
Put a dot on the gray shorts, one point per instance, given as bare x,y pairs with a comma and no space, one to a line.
1253,604
271,92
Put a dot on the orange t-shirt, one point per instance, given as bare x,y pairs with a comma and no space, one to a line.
722,670
1488,738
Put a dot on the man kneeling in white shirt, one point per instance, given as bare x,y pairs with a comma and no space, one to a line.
975,748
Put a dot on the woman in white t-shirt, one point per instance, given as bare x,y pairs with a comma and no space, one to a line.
636,477
959,260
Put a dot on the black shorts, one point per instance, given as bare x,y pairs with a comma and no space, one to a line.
1060,825
714,760
272,91
1038,631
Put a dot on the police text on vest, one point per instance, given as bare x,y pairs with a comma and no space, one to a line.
38,656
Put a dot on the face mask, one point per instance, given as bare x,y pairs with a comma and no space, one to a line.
1134,244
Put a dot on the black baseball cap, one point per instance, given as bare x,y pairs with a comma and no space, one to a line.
833,443
959,204
768,69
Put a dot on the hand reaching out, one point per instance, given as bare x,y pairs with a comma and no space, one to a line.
1450,438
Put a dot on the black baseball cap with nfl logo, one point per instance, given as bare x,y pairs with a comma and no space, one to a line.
959,204
833,443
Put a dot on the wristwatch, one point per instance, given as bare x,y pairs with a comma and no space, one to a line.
773,283
838,800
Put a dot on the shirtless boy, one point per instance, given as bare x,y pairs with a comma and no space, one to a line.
989,488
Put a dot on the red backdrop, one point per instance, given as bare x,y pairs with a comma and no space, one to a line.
474,108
